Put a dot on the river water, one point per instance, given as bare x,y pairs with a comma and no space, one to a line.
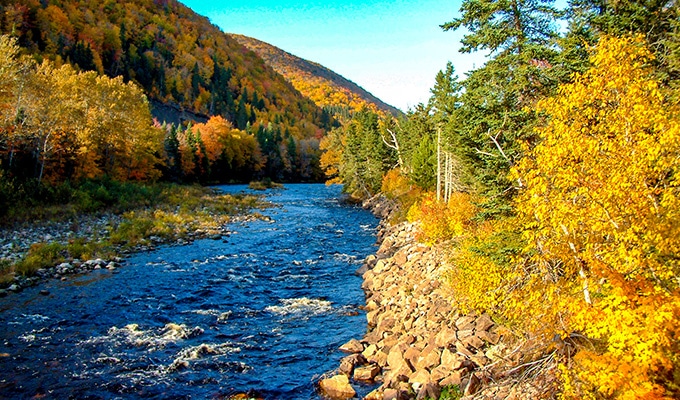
263,309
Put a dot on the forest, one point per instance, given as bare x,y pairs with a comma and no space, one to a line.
80,81
551,173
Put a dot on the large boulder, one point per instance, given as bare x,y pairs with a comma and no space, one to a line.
337,388
353,346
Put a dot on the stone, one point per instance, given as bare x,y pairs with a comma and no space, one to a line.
483,323
411,355
421,376
489,337
44,292
347,364
14,288
460,348
337,388
395,358
429,390
473,385
464,334
377,394
380,358
440,373
473,341
366,373
466,322
453,379
450,359
445,337
369,351
353,346
429,358
394,394
399,257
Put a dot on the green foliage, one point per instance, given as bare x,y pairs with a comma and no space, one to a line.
41,255
451,392
365,157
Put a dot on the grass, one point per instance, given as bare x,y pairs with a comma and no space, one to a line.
166,211
264,185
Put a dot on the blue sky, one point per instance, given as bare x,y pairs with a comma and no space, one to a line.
393,49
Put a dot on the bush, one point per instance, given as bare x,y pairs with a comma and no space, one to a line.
441,221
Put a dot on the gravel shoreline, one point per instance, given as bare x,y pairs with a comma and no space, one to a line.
16,240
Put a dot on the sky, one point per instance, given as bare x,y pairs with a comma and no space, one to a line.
393,49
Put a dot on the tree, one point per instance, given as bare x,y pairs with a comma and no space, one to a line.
600,207
492,120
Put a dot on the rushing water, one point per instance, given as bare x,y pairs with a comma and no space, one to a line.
264,309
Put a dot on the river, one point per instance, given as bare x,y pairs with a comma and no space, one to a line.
263,309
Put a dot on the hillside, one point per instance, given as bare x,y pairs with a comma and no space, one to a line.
182,61
325,87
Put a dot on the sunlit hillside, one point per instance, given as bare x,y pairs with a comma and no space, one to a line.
325,87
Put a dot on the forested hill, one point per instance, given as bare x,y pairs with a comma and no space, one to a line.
325,87
178,57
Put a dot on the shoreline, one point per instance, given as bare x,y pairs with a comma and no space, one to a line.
417,344
18,238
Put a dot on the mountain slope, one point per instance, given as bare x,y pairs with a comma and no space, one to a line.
183,62
325,87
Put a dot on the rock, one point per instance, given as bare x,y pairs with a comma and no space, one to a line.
429,390
421,376
111,266
411,355
395,394
396,361
453,379
14,288
369,351
366,373
353,346
445,337
337,387
440,373
483,323
3,292
377,394
473,341
466,322
379,358
429,358
460,348
45,292
347,364
489,337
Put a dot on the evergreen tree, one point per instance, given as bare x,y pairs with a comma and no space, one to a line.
174,162
491,122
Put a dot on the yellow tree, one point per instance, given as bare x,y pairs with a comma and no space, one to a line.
601,210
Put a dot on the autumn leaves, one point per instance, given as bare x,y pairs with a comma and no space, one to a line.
69,124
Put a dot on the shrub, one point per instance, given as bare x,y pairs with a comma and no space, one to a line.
441,221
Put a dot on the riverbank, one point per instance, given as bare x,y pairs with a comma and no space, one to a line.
34,251
418,344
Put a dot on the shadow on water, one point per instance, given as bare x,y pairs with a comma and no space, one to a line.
264,309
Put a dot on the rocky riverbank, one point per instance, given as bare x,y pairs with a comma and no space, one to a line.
16,240
418,344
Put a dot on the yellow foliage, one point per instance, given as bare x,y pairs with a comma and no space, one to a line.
601,216
395,184
441,221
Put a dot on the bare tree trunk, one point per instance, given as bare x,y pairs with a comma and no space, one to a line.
439,163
